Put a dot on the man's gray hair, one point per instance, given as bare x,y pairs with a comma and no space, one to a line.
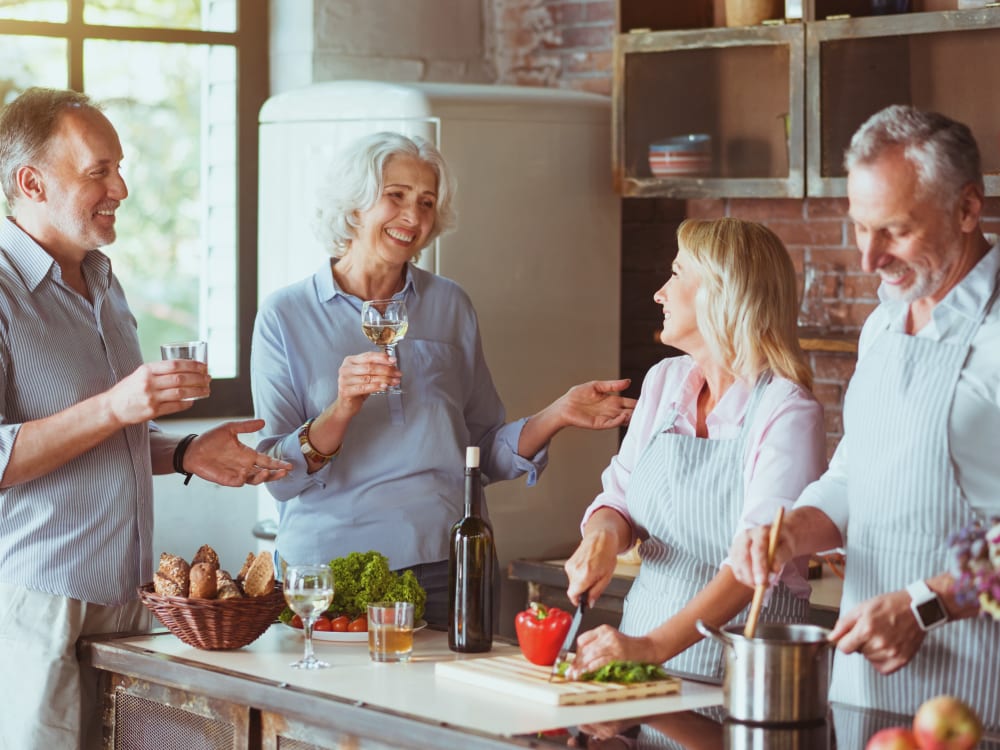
943,151
26,125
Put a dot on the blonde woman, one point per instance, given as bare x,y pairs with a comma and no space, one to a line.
719,439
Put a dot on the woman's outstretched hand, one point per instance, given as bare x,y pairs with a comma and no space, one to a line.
597,405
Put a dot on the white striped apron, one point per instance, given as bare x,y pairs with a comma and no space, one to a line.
904,501
687,493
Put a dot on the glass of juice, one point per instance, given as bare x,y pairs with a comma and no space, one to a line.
390,631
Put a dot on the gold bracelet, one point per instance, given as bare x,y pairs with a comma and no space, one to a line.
307,448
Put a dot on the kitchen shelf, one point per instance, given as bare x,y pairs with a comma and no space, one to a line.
812,340
741,86
781,102
857,66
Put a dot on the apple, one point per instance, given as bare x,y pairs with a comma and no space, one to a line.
893,738
946,723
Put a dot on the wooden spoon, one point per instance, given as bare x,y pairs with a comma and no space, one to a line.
758,595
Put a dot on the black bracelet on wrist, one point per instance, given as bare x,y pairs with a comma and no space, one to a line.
179,452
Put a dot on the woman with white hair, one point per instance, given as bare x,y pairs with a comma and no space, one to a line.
385,473
720,438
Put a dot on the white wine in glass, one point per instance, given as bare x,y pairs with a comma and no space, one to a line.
309,593
384,322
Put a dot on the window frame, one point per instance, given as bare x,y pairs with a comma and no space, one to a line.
230,396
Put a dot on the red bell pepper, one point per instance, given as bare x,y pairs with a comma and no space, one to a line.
541,631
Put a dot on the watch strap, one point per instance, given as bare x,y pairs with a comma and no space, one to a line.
307,448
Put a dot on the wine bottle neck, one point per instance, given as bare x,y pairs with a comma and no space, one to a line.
473,492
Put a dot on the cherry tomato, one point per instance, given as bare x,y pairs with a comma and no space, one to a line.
296,622
322,624
339,624
358,625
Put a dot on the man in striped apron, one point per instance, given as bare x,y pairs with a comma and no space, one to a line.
918,460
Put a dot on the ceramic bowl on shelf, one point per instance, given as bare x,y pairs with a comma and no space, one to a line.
681,156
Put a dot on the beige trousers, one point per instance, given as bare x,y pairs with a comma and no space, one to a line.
47,698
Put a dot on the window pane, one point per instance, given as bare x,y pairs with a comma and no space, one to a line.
29,61
207,15
176,247
34,10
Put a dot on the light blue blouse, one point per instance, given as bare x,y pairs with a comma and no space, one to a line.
397,484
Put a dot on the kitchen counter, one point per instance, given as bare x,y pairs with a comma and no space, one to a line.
161,694
378,705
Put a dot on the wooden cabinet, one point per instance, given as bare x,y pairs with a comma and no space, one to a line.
936,61
780,102
707,81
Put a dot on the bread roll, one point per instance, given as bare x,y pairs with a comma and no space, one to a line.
246,567
203,583
259,580
206,554
226,586
166,586
176,570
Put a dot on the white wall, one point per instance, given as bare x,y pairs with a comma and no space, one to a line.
385,40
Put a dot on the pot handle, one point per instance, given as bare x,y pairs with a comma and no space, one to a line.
710,631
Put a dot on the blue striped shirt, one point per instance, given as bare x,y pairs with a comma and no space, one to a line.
84,530
397,484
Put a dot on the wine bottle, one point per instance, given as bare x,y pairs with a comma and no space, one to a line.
471,562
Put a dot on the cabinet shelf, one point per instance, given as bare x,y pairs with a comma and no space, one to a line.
857,66
813,340
741,86
781,102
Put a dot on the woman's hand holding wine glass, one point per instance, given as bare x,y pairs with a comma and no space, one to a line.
309,592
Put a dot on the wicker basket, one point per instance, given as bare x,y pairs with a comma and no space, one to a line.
214,624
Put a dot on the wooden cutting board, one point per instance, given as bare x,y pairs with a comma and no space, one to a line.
516,675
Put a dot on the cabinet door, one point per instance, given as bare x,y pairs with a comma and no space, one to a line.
741,87
943,62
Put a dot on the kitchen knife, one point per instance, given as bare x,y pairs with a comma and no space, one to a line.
574,626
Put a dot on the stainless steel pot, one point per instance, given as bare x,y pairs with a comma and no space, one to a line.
779,676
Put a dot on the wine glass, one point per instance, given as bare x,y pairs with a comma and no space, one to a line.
309,593
384,322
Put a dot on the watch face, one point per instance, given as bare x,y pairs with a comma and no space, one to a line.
931,612
305,448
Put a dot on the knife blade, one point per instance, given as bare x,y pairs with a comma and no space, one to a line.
574,626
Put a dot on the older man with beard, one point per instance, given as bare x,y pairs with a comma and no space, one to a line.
919,457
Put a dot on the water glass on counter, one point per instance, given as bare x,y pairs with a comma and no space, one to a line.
390,631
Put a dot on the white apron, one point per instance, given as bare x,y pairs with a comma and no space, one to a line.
687,493
904,501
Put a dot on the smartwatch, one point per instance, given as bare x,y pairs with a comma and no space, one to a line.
307,449
926,606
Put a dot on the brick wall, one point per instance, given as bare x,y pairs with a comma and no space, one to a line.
562,44
568,44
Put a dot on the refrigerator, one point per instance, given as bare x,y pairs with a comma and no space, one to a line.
537,248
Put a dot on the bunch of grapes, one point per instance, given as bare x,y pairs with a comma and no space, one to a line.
975,552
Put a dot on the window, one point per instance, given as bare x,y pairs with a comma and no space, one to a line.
182,81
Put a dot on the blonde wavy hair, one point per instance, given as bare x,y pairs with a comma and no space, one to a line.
747,302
